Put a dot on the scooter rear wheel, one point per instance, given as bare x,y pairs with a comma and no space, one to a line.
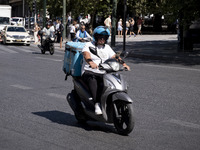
51,51
43,51
77,108
123,119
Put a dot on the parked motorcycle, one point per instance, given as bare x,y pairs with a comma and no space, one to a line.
116,104
47,43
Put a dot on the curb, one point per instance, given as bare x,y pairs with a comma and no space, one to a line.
168,58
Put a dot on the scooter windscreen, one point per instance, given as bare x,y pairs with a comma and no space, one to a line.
111,65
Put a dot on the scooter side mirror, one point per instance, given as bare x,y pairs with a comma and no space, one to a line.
123,54
118,54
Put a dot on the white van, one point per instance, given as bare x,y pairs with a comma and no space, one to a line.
19,21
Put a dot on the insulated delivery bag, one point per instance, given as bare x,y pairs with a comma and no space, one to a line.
73,58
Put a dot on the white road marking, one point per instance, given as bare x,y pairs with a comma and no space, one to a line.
183,123
58,55
21,87
48,59
56,95
23,49
170,67
6,49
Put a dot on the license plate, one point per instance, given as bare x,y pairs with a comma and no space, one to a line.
18,40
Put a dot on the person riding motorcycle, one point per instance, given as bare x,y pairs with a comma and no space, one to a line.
91,74
47,31
81,34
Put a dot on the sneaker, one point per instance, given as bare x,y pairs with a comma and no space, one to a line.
97,109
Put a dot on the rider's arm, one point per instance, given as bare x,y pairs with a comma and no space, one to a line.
88,59
121,62
88,35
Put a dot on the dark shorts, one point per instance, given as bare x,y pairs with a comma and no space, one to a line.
131,28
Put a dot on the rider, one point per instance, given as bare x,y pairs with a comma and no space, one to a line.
48,30
81,34
91,74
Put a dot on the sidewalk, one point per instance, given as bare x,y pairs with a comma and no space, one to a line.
156,47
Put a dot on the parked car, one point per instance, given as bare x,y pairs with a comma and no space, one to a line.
15,34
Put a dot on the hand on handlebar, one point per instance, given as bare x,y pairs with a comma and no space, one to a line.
93,65
126,67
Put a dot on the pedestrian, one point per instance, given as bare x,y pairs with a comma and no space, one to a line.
69,20
127,26
36,29
76,26
139,25
73,31
132,23
119,28
57,31
107,22
60,33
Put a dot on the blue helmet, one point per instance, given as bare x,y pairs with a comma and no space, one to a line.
101,31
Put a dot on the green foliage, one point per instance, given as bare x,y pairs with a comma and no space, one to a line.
189,9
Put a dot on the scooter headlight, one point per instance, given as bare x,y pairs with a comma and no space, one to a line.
44,37
52,39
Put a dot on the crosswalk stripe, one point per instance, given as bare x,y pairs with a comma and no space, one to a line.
23,49
58,60
21,87
6,49
56,95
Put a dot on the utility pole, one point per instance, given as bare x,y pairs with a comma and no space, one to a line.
124,26
113,30
23,8
23,14
64,18
44,13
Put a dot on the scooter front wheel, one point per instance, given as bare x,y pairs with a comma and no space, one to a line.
123,117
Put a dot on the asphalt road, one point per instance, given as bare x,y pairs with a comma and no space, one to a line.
34,113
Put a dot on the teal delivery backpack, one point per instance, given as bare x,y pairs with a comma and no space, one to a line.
73,58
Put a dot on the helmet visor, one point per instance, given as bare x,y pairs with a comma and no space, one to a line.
105,37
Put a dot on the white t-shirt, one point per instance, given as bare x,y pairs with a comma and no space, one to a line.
107,22
104,52
48,31
72,29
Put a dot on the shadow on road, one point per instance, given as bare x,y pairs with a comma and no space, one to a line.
159,52
69,119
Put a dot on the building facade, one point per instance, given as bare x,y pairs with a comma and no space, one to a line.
19,8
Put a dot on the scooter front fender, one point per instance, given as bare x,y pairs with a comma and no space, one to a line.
121,96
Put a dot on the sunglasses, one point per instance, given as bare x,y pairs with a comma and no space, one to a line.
102,37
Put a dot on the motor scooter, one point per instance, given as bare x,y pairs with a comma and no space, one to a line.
86,39
116,104
47,42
